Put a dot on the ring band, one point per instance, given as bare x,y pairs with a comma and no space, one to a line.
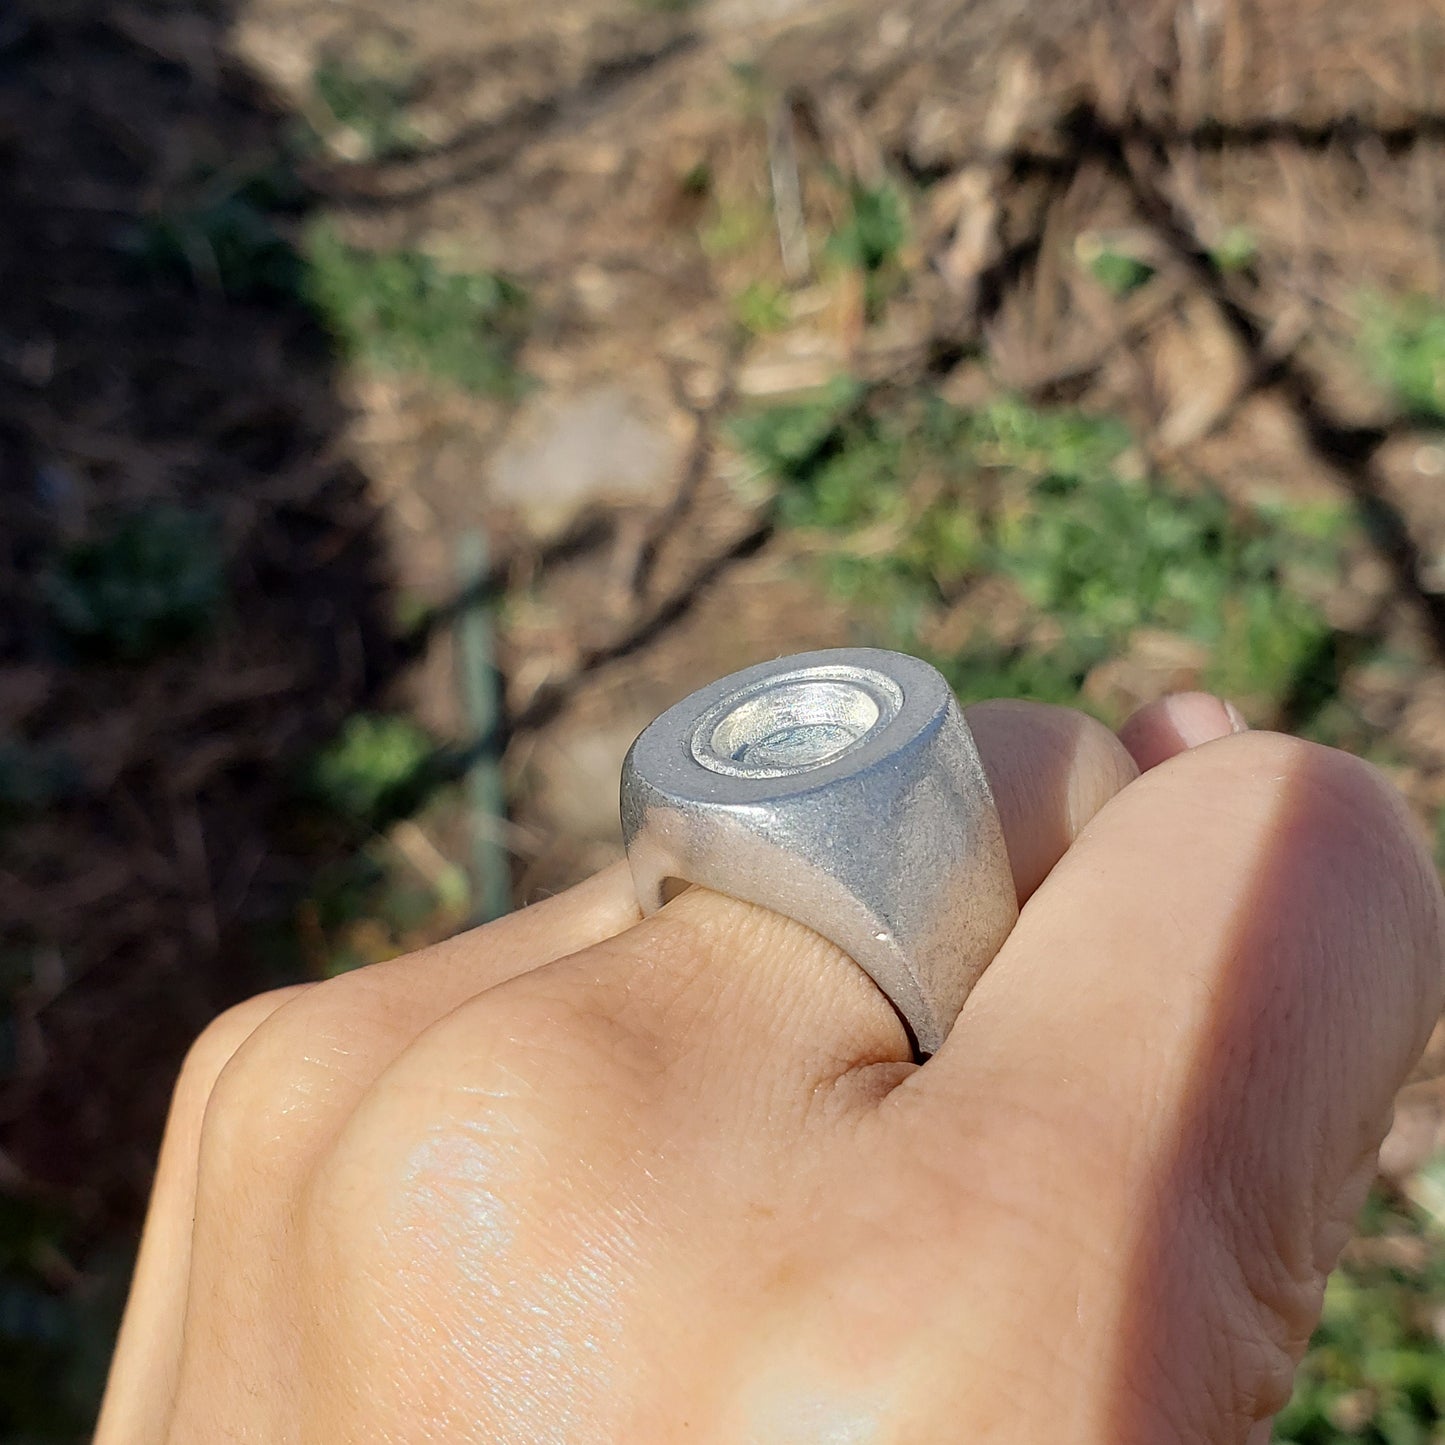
842,789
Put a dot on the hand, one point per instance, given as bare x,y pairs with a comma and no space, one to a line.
576,1177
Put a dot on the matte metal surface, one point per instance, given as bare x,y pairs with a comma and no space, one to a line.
844,790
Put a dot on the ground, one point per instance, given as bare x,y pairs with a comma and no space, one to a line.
399,407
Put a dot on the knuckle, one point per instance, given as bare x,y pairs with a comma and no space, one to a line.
218,1043
521,1094
279,1091
280,1077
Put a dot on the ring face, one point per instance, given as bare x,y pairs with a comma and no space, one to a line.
842,789
784,725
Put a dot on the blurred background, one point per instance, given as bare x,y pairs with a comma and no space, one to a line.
401,404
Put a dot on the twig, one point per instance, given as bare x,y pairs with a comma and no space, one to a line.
971,204
481,704
787,194
694,471
550,698
1345,451
1141,313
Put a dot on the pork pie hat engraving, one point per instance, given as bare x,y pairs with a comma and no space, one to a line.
842,789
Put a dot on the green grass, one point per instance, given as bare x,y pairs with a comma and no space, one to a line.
368,105
1236,249
732,227
871,239
370,770
401,311
227,233
372,900
1404,347
1113,266
761,307
910,502
397,310
875,230
154,578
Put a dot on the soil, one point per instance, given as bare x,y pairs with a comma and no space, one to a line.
597,152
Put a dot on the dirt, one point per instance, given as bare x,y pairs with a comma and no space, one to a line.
596,152
119,899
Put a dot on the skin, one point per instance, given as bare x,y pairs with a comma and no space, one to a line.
578,1176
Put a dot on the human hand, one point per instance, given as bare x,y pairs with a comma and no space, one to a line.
576,1177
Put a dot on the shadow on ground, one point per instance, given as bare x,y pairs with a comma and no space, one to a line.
193,594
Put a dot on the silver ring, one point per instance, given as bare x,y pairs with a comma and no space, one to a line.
842,789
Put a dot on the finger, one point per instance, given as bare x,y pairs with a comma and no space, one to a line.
1172,1080
1051,769
1160,730
710,992
727,984
316,1056
143,1370
326,1041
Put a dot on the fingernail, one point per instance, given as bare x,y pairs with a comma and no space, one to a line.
1200,717
1241,725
